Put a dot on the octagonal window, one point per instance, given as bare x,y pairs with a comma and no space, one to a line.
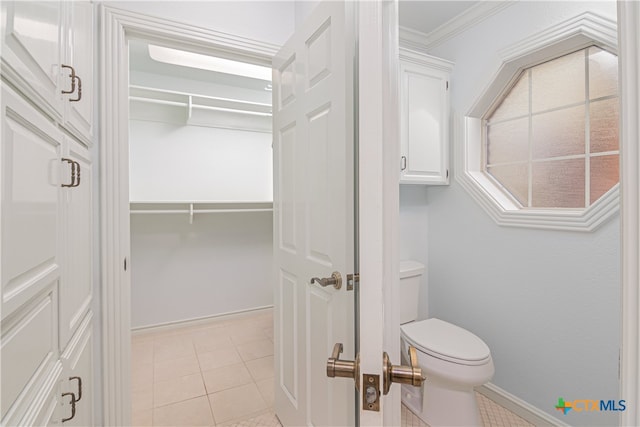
552,141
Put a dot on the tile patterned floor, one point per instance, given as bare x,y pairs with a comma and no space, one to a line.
215,373
493,415
220,373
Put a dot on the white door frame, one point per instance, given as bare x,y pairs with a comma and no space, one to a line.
629,53
378,193
117,27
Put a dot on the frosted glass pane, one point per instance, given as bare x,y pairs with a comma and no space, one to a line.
514,178
605,173
508,141
603,73
559,82
559,133
516,101
604,125
558,184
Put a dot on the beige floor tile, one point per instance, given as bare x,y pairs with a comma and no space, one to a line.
236,402
218,358
177,390
226,377
172,347
142,397
211,339
266,418
141,353
261,369
255,349
141,375
244,332
175,368
142,418
193,412
268,332
266,389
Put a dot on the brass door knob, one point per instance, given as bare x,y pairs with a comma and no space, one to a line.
411,375
343,368
335,280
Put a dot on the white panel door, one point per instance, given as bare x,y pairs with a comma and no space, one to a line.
76,289
313,217
77,383
31,202
79,104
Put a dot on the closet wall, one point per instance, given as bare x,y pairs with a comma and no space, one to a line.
201,192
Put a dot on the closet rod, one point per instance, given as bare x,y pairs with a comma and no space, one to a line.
197,106
196,211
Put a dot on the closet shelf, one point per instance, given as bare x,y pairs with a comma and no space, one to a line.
192,208
193,101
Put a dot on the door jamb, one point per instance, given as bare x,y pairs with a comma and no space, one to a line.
628,51
378,194
117,27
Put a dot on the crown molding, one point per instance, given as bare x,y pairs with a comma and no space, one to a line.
460,23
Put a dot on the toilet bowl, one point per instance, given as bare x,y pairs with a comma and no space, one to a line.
453,361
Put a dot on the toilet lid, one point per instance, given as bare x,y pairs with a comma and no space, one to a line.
446,341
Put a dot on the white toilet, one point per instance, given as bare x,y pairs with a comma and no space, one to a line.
453,360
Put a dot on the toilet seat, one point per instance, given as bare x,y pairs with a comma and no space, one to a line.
445,341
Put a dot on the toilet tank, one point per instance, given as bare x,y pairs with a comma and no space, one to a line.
410,274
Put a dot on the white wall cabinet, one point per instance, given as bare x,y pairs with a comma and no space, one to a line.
47,55
79,54
424,98
46,217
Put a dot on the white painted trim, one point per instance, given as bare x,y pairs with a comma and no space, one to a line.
200,321
458,24
378,188
117,26
521,408
567,36
391,198
629,38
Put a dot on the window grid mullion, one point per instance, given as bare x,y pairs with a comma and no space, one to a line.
587,134
530,163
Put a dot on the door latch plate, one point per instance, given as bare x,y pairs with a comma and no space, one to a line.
371,392
352,280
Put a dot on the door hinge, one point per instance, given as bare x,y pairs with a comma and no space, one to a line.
352,280
447,85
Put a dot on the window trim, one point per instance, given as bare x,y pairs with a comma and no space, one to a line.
569,36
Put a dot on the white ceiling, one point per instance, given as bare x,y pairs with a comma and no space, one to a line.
420,15
427,15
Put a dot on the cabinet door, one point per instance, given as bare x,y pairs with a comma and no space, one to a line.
424,124
31,32
30,367
79,54
76,283
77,377
31,203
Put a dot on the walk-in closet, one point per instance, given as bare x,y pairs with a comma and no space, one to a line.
200,186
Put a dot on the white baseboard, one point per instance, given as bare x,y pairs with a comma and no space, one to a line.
519,407
221,317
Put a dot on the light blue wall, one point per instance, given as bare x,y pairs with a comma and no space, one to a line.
546,302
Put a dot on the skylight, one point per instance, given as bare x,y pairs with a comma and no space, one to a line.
206,62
